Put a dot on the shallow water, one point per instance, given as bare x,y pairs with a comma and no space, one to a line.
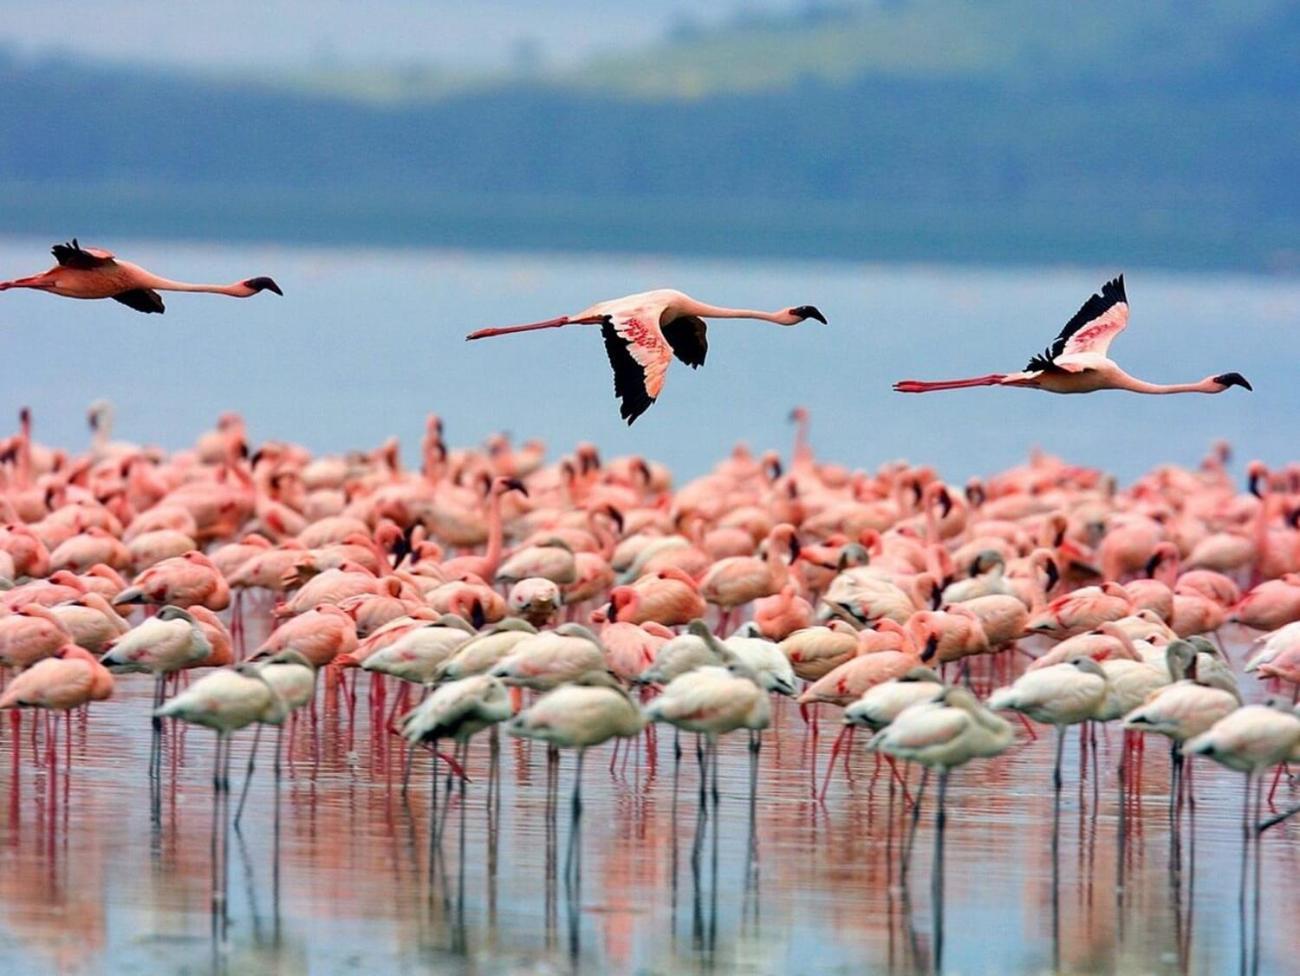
94,877
367,341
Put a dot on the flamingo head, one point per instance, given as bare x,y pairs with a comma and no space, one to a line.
1225,380
501,485
797,314
255,285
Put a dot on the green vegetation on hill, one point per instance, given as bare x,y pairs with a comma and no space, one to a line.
1005,130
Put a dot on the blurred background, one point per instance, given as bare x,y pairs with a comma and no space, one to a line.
761,154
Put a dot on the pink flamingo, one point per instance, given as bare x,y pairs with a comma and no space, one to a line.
485,566
643,333
1076,362
29,634
669,597
92,272
182,581
737,580
320,635
68,679
781,615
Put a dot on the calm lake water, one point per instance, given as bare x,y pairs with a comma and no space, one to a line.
365,343
98,876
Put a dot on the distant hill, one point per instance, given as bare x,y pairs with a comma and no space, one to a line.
1162,133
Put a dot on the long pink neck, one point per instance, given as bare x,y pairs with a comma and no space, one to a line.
692,307
1169,567
493,554
238,289
776,566
1126,642
802,448
25,451
1135,385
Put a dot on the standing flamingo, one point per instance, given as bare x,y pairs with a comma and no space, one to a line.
943,734
1076,362
458,710
69,678
1062,695
643,332
225,701
92,272
578,716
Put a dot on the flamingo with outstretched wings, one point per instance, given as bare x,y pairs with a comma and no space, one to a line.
1077,360
92,272
644,332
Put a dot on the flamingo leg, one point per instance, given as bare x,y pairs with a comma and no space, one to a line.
923,386
911,830
248,774
1277,778
830,766
554,323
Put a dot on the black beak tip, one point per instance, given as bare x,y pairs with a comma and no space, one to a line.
1234,379
264,284
931,647
810,312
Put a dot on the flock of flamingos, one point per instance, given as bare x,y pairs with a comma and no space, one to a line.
580,600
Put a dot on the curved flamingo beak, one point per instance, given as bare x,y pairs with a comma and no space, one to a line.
263,284
931,647
1233,379
809,312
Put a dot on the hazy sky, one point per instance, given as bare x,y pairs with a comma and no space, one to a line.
295,32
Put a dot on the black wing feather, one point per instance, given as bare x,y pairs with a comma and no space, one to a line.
1112,294
70,255
142,300
689,337
629,379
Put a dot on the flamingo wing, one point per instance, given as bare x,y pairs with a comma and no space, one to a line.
689,337
1092,329
142,300
639,355
922,727
73,255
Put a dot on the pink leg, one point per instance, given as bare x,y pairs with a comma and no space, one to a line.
1277,778
830,766
893,768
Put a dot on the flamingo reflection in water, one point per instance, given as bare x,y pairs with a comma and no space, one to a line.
225,701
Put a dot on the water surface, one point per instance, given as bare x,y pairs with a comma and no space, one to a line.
95,878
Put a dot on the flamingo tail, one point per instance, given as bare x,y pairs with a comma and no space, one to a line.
921,386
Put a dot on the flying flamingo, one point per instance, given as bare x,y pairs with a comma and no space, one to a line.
92,272
1076,362
643,332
